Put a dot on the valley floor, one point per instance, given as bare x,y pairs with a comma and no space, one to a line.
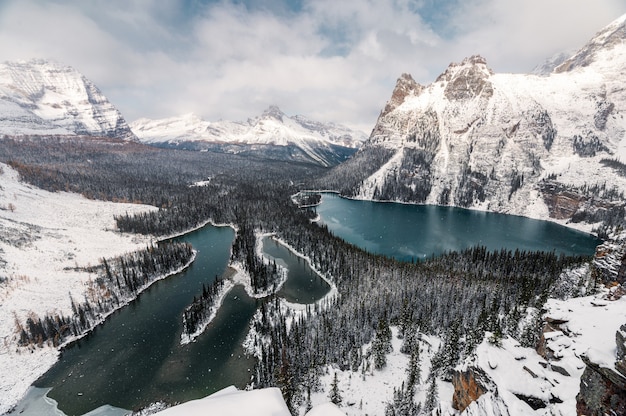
46,238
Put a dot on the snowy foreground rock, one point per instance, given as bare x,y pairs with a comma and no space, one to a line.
233,402
577,364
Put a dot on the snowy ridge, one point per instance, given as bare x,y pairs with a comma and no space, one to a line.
43,97
489,141
272,128
589,329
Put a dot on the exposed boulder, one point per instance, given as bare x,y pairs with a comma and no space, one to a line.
469,385
551,330
602,391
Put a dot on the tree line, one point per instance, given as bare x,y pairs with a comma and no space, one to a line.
117,281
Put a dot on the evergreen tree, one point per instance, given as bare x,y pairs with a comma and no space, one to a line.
335,394
432,396
414,370
381,345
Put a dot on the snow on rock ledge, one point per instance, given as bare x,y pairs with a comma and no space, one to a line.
230,401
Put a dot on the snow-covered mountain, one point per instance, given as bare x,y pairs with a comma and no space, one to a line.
539,146
272,134
42,97
548,66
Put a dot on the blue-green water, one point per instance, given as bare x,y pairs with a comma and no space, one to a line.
413,232
135,358
303,285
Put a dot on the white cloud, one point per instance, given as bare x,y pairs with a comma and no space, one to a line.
515,36
331,60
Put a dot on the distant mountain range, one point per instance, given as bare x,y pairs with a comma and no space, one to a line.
549,145
41,97
272,135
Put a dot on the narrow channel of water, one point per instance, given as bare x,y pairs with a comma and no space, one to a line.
303,285
135,358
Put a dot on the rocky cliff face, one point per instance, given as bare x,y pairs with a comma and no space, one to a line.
609,263
540,146
42,97
469,385
603,389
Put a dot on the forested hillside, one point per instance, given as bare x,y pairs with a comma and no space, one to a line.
457,297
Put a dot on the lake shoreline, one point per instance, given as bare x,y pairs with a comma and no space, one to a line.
582,227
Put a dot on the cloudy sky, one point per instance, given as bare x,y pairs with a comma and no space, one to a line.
331,60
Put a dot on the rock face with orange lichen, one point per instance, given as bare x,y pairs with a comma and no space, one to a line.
469,385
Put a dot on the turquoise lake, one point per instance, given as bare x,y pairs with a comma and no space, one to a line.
415,232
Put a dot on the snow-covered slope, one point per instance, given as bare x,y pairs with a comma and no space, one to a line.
44,237
230,401
510,143
42,97
322,143
526,383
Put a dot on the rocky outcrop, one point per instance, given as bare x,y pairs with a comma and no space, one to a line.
551,329
603,390
467,80
405,86
562,203
609,263
469,385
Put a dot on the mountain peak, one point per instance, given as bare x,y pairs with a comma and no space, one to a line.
467,80
273,112
405,86
605,40
45,96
